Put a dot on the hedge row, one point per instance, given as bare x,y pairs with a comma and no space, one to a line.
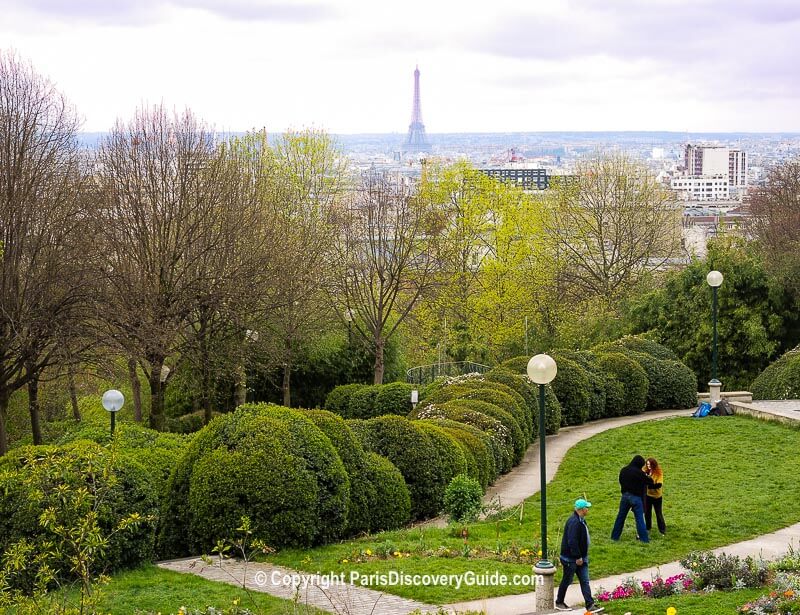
781,379
364,401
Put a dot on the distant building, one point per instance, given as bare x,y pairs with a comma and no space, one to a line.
701,187
716,160
527,179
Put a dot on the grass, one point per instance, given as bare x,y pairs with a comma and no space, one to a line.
715,603
718,471
151,589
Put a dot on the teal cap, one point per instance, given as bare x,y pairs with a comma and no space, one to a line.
581,503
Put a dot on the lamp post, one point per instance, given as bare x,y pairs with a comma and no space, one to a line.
714,279
112,402
541,370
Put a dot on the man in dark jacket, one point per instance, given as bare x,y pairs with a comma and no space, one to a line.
633,483
575,557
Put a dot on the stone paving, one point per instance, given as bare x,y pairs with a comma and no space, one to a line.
302,587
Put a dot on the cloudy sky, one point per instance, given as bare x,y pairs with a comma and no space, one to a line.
490,66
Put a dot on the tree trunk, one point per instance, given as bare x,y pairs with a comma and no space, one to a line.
136,389
33,407
379,364
3,434
156,398
286,386
73,394
240,392
205,393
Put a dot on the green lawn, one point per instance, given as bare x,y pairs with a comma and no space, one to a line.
151,589
725,478
716,603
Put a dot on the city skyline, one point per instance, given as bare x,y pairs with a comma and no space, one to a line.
347,66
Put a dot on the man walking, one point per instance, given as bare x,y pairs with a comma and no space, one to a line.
632,482
575,557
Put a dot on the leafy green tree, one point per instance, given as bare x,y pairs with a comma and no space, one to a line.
757,318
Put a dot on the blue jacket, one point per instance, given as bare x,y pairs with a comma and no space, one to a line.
575,541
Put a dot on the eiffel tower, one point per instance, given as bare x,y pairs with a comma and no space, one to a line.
416,141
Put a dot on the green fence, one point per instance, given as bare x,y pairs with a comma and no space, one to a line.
423,374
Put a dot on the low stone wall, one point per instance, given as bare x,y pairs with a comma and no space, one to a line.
731,396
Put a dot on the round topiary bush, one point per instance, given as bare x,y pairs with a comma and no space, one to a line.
393,398
452,457
485,391
571,387
594,375
462,499
414,453
362,402
75,480
637,343
781,379
477,447
518,365
338,399
354,458
390,507
518,441
627,372
500,440
671,384
267,462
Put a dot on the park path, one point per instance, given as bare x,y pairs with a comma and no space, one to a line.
519,484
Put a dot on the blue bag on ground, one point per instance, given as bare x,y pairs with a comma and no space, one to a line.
702,410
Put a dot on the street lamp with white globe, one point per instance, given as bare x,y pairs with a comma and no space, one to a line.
714,279
113,401
541,370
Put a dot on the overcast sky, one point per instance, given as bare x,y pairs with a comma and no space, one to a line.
496,65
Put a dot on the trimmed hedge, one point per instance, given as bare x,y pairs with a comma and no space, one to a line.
268,462
390,507
628,373
671,384
454,461
595,376
518,441
571,387
781,379
134,490
354,458
189,423
415,454
518,365
393,398
486,391
362,402
474,443
530,393
338,399
499,435
637,343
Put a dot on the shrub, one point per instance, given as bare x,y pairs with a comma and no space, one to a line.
530,393
338,399
670,383
594,375
571,388
518,441
499,435
414,453
362,402
476,444
633,379
390,507
268,462
71,481
485,391
189,423
454,461
462,499
638,343
780,380
393,398
354,459
725,571
518,365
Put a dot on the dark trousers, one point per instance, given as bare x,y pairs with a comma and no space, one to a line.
651,504
627,502
570,570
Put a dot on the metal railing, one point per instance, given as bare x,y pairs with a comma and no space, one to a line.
423,374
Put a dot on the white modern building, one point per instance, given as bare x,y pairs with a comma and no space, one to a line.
701,187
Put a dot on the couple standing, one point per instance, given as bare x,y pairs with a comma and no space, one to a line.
640,482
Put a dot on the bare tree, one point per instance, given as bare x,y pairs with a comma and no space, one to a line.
611,223
388,252
164,184
43,282
775,221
